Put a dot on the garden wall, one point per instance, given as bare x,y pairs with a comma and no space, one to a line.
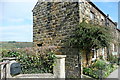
71,67
58,69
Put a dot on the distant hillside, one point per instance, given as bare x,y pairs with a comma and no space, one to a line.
13,44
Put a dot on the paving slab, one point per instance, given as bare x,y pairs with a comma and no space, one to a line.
115,74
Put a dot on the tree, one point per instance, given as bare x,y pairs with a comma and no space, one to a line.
11,41
89,36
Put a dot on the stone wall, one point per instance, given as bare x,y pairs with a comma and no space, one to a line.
54,22
58,70
72,70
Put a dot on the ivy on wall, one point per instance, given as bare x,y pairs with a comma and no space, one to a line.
90,36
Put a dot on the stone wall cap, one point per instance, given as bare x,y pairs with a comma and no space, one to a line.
60,56
8,58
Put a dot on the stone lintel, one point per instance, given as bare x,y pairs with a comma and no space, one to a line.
8,58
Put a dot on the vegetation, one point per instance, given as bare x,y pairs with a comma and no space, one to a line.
13,44
113,59
33,60
88,37
100,69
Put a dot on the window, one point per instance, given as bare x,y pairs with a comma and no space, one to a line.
102,18
92,15
115,48
94,54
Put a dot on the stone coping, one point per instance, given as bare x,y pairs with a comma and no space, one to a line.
60,56
13,58
42,75
9,58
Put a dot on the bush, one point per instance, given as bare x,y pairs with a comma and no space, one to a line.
91,72
99,64
87,70
113,59
10,53
98,69
101,57
33,60
37,64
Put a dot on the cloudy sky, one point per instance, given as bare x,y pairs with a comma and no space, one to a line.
16,18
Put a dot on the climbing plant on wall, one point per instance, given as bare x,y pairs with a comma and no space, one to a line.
89,36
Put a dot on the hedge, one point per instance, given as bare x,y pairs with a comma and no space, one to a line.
33,60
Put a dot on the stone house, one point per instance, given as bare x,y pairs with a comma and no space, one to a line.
54,22
91,12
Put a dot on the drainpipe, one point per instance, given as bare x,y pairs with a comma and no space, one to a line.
106,20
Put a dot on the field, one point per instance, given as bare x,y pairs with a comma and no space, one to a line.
13,44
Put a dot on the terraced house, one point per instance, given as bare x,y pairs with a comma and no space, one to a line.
54,22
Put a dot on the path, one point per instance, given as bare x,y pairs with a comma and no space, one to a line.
115,74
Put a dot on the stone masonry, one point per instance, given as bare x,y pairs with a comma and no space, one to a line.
53,22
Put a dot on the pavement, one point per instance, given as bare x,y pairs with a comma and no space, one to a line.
115,74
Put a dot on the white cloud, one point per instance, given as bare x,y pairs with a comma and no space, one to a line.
32,1
56,0
18,0
1,12
16,20
16,10
16,28
16,33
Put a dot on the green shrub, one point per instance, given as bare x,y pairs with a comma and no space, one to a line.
101,57
32,60
87,70
113,59
37,64
10,53
99,69
99,64
91,72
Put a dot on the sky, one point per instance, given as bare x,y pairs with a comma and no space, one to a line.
16,20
